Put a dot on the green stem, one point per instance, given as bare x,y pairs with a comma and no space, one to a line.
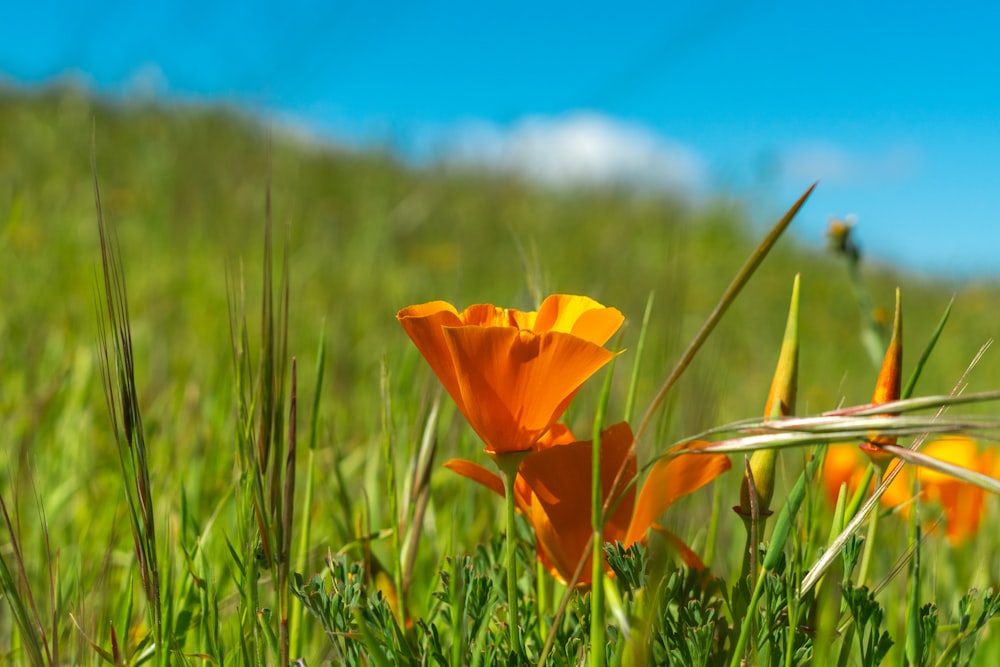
515,631
543,593
597,632
914,632
508,464
597,628
866,556
741,642
713,524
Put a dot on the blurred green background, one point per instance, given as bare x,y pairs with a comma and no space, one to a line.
185,190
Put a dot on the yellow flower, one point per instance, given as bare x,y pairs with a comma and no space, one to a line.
513,373
558,476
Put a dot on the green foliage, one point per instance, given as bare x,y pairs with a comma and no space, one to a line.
873,641
963,647
689,626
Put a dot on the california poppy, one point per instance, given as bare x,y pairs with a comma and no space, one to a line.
559,434
846,464
558,479
960,502
513,373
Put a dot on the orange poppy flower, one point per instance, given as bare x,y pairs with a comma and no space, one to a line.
513,373
558,505
557,435
846,464
961,503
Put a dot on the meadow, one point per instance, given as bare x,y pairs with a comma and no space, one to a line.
173,496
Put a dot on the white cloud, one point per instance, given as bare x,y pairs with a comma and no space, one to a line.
147,81
837,165
577,148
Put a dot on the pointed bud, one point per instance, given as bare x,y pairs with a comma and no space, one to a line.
780,403
888,386
781,397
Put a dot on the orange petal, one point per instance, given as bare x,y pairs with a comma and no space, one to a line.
559,434
688,557
962,503
424,325
559,478
900,491
578,315
491,481
671,478
425,310
844,464
476,473
488,315
963,509
514,384
958,450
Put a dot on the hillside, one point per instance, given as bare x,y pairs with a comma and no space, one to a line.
186,190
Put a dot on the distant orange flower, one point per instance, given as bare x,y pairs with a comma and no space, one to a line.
846,464
513,373
558,480
961,503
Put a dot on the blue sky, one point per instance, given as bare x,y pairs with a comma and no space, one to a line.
895,109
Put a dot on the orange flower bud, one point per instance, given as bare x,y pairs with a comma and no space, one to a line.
887,387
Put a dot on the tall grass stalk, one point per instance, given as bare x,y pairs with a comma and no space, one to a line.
305,533
17,591
389,455
640,347
122,398
267,461
728,297
417,496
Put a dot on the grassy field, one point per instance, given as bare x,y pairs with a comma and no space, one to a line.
185,194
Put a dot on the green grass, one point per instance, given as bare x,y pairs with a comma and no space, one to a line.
184,191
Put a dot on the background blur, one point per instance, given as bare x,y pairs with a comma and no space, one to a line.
894,110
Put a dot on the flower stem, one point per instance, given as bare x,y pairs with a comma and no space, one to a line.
508,463
515,631
869,548
597,632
